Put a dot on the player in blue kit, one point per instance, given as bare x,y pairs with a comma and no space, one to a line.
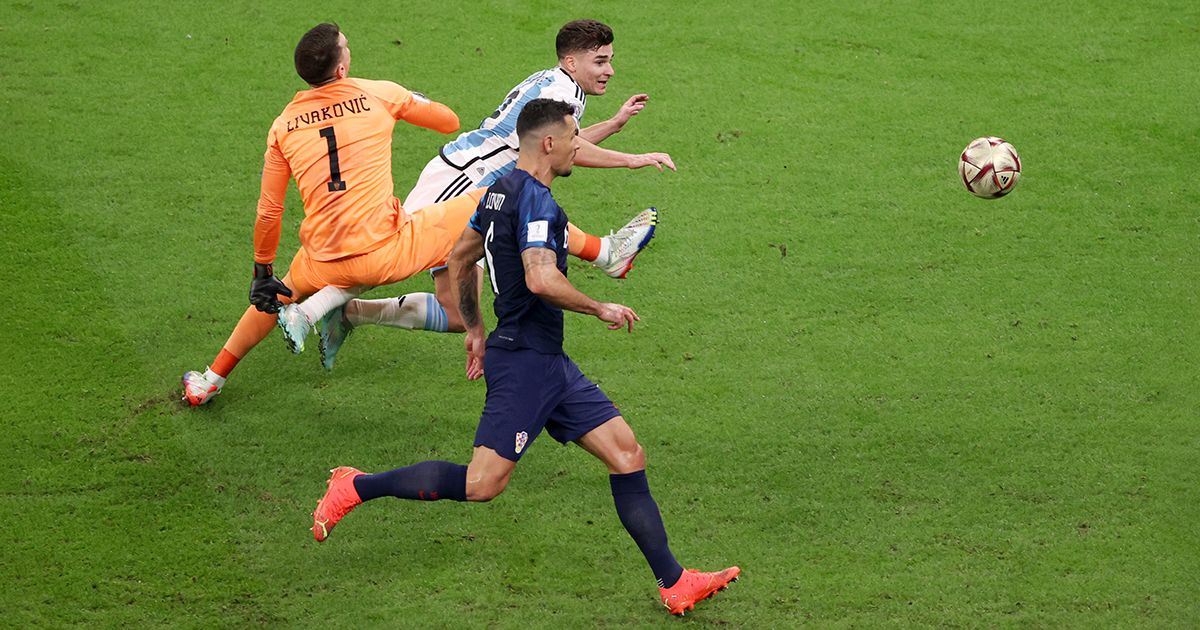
531,383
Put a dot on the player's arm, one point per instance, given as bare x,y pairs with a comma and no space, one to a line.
592,156
411,107
548,283
464,279
464,290
429,114
598,132
264,287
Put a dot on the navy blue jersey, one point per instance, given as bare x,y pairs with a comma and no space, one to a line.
518,213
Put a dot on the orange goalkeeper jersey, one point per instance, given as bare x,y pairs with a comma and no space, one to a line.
336,140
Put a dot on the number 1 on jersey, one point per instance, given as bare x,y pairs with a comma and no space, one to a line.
336,182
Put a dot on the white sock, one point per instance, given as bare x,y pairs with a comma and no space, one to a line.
414,311
605,249
214,378
325,300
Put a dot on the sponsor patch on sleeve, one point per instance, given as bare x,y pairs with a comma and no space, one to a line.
538,231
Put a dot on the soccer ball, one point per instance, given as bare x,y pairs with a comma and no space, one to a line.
989,167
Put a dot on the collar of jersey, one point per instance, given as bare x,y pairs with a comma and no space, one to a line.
564,71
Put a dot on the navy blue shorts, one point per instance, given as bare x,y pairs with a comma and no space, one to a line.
528,390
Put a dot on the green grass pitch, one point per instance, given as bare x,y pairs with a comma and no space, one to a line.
892,403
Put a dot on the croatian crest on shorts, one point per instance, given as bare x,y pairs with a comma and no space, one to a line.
522,439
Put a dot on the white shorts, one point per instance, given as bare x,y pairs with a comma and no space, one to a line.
438,182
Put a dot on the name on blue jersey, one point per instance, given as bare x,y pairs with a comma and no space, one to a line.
494,201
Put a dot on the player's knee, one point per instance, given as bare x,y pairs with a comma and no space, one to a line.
485,490
483,494
630,458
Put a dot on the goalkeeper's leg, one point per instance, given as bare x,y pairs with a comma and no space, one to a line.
253,327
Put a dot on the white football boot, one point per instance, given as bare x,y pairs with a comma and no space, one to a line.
295,326
198,389
626,243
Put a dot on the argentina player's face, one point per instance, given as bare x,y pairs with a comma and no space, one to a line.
593,69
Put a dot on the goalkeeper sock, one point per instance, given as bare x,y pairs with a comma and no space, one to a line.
426,481
325,300
221,367
414,311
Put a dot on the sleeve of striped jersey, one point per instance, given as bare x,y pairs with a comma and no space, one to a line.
269,221
536,216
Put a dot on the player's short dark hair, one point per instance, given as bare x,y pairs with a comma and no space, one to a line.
541,112
318,52
581,35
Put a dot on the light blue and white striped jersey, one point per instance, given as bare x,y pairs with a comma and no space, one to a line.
490,152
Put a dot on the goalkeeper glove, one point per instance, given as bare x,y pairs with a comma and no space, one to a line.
265,287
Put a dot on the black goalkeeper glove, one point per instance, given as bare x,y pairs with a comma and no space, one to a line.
265,288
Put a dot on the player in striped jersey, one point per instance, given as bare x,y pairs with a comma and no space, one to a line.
479,157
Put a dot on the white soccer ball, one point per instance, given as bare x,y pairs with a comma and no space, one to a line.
989,167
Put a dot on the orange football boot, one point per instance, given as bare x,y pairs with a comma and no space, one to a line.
694,587
340,497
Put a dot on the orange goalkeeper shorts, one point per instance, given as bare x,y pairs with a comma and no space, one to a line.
422,243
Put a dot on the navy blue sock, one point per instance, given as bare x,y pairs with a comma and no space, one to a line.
639,514
426,481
